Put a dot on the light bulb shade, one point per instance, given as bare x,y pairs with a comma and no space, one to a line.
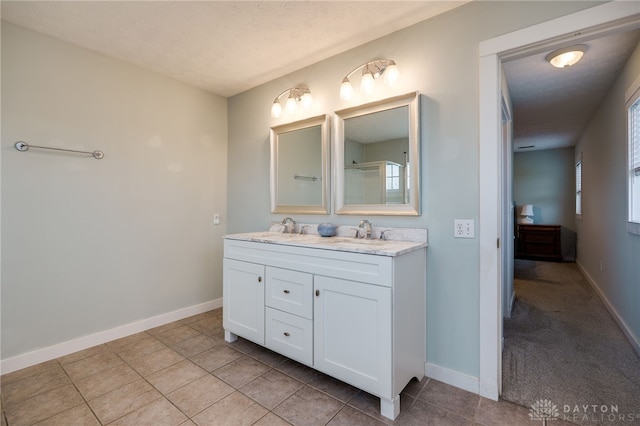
291,105
527,210
306,100
391,75
366,84
276,109
346,90
567,56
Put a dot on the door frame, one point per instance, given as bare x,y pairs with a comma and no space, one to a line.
599,20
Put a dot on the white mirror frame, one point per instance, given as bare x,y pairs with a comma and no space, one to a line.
324,122
412,101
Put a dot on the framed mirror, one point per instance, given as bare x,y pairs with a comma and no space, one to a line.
377,158
300,166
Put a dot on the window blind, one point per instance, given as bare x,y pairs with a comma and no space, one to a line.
578,178
634,137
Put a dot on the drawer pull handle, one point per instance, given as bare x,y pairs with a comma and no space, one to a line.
317,292
286,333
287,292
259,279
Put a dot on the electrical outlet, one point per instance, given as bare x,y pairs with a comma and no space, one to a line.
464,228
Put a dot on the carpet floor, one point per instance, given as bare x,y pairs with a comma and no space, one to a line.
563,346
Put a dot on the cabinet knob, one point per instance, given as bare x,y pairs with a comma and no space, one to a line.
287,292
286,333
317,292
259,279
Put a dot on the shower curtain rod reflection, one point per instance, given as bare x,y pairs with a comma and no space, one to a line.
23,146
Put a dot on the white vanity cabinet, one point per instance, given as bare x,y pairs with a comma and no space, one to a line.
357,317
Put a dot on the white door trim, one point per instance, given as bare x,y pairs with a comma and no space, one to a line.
607,18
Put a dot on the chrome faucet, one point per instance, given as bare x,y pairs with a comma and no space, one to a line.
289,225
367,228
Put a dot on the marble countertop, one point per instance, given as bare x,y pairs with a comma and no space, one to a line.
337,243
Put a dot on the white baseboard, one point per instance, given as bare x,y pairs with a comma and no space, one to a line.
452,377
633,339
65,348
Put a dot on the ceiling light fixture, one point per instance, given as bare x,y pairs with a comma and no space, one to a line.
566,56
370,71
299,94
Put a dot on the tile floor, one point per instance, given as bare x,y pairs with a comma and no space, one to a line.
184,373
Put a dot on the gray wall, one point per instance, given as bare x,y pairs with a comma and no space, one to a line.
602,235
439,58
89,245
546,179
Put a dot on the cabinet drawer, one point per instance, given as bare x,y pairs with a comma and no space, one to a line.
289,335
290,291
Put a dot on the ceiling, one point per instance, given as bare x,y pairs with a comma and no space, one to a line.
229,47
552,106
225,47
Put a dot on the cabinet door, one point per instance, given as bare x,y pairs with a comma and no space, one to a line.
243,299
352,333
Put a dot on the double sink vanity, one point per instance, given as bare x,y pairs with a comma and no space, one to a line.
352,308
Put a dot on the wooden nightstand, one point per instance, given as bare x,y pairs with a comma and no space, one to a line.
539,242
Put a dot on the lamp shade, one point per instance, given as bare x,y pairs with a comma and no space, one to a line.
527,210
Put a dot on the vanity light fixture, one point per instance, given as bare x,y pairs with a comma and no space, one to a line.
370,71
299,94
567,56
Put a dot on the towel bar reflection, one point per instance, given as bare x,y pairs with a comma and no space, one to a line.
302,177
23,146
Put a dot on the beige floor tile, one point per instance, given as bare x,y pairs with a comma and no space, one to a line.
216,333
216,357
271,420
105,381
349,416
43,406
271,388
163,328
77,356
200,394
268,357
140,348
298,371
127,340
188,423
175,376
422,413
159,412
195,345
124,400
235,409
414,387
92,364
155,361
491,413
244,346
337,389
370,405
450,398
34,385
241,371
176,335
78,415
206,324
29,371
308,407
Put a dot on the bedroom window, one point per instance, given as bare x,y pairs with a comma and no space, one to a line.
633,171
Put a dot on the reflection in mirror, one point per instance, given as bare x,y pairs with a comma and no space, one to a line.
300,167
377,149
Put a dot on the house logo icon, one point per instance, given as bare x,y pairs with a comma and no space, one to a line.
544,410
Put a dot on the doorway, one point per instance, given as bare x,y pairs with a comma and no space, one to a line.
606,18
